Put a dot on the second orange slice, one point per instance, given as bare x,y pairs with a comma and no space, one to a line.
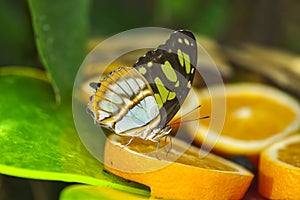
279,170
256,116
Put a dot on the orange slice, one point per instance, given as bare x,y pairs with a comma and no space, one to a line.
256,116
279,170
188,177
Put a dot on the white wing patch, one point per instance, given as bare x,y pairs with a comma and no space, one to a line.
103,115
141,83
116,88
133,85
140,115
125,87
108,106
113,97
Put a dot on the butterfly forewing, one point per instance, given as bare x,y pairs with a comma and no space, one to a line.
170,71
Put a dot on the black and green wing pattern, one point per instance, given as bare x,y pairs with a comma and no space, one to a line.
170,71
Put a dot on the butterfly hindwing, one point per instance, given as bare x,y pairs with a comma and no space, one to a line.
170,71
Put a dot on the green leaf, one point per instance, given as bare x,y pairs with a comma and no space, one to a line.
60,28
37,137
78,192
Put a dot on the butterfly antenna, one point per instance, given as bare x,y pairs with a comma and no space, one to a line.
186,114
190,120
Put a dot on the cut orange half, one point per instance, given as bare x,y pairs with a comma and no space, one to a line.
174,175
255,116
279,170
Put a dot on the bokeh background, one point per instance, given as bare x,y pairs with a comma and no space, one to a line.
228,23
274,23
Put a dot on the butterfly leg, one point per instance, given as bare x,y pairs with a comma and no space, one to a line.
128,143
171,144
165,144
157,148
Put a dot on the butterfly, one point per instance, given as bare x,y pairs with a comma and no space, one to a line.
140,101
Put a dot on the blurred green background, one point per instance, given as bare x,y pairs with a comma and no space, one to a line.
269,22
275,23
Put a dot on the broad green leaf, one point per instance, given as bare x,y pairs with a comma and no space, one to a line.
37,137
78,192
60,28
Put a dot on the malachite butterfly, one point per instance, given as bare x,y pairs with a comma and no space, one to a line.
139,101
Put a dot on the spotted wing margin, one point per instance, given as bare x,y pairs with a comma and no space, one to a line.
179,52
